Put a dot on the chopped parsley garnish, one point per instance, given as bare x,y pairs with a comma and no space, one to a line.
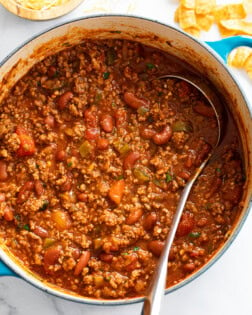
106,75
135,249
194,234
218,170
168,177
160,93
125,254
150,65
150,119
26,227
44,205
119,177
115,32
69,164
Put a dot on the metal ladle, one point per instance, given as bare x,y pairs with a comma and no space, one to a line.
155,293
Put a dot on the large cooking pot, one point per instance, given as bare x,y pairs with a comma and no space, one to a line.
202,56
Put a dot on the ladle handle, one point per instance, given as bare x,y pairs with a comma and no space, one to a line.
6,271
155,294
224,46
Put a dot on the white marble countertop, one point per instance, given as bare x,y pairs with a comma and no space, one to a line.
224,289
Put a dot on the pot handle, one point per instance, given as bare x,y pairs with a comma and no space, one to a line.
224,46
6,271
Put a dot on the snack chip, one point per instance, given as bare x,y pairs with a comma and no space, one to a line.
229,11
238,57
188,4
235,27
187,18
195,31
204,6
204,21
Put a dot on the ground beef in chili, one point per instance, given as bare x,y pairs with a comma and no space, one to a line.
94,153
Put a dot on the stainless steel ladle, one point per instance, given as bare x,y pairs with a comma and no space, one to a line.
155,293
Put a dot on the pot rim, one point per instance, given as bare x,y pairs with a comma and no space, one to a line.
29,277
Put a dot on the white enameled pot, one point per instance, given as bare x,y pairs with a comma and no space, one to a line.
200,55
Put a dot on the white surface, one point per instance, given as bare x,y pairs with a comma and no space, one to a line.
224,289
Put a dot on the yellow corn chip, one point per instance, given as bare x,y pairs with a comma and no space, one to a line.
204,6
239,56
188,4
248,64
229,11
248,6
176,15
235,27
204,21
194,31
187,18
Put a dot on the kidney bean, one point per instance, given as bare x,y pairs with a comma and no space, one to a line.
156,247
189,267
130,159
67,185
38,230
39,189
82,263
8,214
200,157
215,186
149,221
64,99
202,222
51,255
184,174
61,219
131,262
2,197
92,133
90,116
120,117
148,133
61,155
75,252
82,197
164,136
134,216
102,144
50,121
107,122
186,224
25,192
190,159
133,101
51,72
203,109
106,257
3,171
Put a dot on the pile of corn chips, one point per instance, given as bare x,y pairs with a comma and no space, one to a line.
196,15
241,58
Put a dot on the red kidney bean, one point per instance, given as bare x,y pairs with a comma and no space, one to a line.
51,255
132,259
3,171
203,109
107,122
76,252
61,155
164,136
148,133
186,224
38,230
120,117
25,192
82,263
149,221
8,214
82,197
90,116
67,185
51,72
202,154
2,197
50,121
92,133
39,189
134,216
190,159
106,257
156,247
64,99
184,174
215,186
102,144
130,159
189,267
133,101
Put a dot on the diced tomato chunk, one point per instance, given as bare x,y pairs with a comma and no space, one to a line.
27,145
